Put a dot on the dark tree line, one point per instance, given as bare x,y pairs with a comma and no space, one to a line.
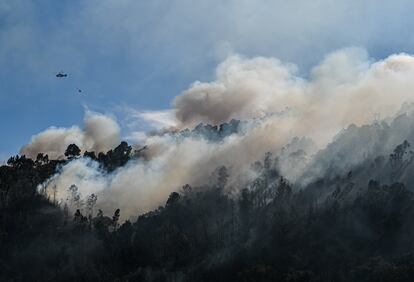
334,229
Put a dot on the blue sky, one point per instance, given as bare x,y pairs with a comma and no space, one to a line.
131,54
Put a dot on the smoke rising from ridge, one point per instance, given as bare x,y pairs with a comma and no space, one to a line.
346,88
100,133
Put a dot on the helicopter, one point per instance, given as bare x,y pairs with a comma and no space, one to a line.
61,74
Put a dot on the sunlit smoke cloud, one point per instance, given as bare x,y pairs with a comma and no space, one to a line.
100,134
346,87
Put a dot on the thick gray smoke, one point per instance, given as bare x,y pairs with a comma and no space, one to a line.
285,114
100,134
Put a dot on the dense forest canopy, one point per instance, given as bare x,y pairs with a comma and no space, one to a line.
352,223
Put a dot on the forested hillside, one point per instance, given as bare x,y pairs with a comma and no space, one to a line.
354,223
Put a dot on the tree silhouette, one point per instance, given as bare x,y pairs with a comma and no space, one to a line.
72,151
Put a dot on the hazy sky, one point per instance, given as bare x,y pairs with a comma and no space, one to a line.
128,55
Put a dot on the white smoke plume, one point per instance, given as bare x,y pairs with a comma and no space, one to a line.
346,88
100,134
